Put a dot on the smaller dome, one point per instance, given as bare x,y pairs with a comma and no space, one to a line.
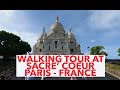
43,35
70,35
77,45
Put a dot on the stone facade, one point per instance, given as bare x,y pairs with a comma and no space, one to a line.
56,41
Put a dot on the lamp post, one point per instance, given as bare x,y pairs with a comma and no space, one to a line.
88,53
28,78
88,50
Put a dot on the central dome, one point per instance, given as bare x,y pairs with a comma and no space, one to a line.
57,27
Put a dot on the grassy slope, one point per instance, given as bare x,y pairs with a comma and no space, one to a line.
113,68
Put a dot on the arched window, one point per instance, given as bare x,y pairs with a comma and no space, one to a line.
49,47
40,50
41,42
62,47
55,44
71,42
71,50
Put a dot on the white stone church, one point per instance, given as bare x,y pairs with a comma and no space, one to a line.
57,42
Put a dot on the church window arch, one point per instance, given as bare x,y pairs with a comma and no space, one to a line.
62,47
71,50
56,44
41,42
49,47
71,42
40,50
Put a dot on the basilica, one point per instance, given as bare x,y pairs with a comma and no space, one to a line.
57,42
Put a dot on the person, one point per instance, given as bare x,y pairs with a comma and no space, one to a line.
85,78
42,78
28,78
73,78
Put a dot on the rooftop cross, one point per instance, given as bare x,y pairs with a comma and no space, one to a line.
43,29
57,19
70,29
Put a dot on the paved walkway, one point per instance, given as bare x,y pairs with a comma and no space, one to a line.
107,77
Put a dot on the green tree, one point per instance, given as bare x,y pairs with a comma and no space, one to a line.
98,50
118,51
11,45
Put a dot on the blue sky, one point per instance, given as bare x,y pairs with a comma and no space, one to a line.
90,27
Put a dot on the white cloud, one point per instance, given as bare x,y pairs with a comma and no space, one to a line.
7,12
92,41
21,29
104,19
23,32
27,36
78,31
6,16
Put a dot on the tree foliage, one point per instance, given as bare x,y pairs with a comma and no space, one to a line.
11,45
118,51
98,50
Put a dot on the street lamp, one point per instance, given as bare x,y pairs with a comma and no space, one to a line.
88,49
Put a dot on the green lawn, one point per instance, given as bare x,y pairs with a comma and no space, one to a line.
113,68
